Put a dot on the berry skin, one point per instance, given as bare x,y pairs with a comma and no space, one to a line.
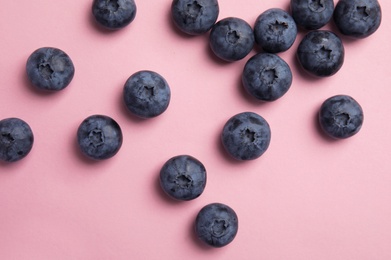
246,136
114,14
310,14
266,77
321,53
146,94
183,177
357,18
216,224
16,139
275,30
99,137
194,17
50,69
341,116
231,39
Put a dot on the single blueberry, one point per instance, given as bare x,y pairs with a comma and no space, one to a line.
231,39
114,14
341,116
16,139
216,224
275,30
99,137
266,76
183,177
246,136
194,17
312,14
50,69
357,18
146,94
321,53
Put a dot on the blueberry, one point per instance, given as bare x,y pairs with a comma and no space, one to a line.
216,224
50,69
321,53
16,139
231,39
275,30
114,14
341,116
183,177
312,14
99,137
194,17
266,76
357,18
146,94
246,136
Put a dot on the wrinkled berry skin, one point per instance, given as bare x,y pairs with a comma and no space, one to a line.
321,53
312,15
216,224
194,17
231,39
50,69
16,139
341,116
275,30
357,18
246,136
183,177
99,137
266,77
146,94
114,14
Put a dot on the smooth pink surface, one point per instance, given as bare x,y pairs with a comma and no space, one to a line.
306,198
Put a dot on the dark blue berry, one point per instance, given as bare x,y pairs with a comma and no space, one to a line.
275,30
16,139
312,14
231,39
50,69
357,18
216,224
114,14
99,137
246,136
266,76
321,53
146,94
183,177
341,116
194,17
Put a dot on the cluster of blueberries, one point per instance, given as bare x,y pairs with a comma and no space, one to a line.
267,77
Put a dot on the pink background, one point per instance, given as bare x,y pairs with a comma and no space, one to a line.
306,198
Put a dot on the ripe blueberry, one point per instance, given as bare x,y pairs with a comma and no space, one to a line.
183,177
114,14
99,137
50,69
341,116
266,76
321,53
275,30
312,14
16,139
246,136
216,224
194,17
146,94
357,18
231,39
